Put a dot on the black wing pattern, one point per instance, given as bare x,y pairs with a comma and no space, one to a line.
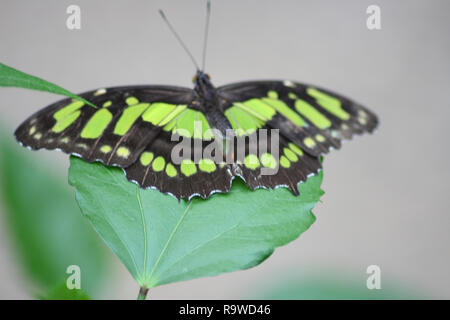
114,134
138,128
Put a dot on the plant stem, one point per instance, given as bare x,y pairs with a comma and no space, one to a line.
142,293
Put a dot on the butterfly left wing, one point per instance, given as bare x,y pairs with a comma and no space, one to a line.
313,118
116,133
133,129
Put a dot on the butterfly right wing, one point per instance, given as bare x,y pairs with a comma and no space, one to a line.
315,119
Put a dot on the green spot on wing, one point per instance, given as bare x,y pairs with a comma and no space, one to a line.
131,101
272,94
146,158
188,167
67,110
241,121
157,112
97,124
158,164
207,165
172,115
260,107
268,161
190,123
128,117
170,170
123,152
296,149
185,123
284,162
65,122
318,119
320,138
290,155
105,149
253,108
292,96
309,142
251,161
284,110
329,103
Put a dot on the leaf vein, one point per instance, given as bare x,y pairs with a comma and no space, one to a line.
172,234
144,228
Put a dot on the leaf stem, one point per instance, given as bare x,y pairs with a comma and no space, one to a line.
142,293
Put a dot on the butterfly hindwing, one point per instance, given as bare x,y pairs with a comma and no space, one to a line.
183,175
199,175
284,162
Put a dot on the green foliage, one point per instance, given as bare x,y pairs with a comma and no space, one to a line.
45,222
60,292
10,77
161,240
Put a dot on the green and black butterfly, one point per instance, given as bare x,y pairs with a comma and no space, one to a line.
133,128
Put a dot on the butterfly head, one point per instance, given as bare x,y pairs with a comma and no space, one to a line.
203,85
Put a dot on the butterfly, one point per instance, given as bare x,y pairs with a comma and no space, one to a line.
134,128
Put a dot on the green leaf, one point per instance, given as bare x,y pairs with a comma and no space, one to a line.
161,240
61,292
46,224
10,77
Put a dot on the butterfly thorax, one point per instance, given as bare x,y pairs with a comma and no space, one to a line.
204,88
209,102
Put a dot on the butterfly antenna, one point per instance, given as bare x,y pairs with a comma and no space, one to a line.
205,41
179,39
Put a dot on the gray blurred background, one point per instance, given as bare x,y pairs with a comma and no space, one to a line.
386,200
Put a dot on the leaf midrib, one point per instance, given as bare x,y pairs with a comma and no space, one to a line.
155,266
144,228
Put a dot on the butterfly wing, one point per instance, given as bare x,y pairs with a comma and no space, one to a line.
192,174
133,128
313,118
116,133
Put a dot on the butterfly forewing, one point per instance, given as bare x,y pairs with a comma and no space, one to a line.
115,133
313,118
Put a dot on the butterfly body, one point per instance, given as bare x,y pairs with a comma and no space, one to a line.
209,102
138,128
205,89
